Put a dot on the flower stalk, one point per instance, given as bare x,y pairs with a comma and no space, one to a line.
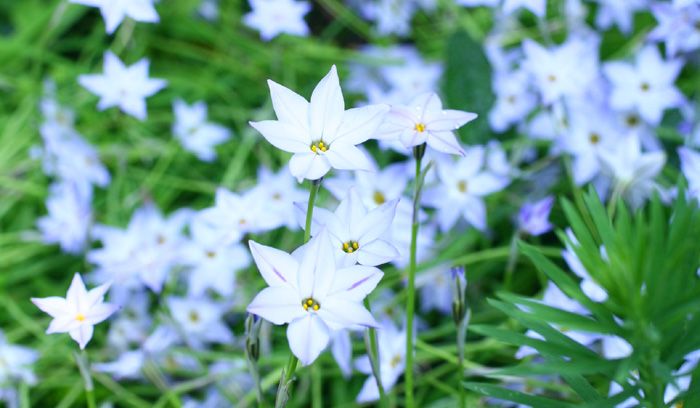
81,360
287,376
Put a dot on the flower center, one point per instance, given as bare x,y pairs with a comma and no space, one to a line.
211,254
350,246
395,361
632,121
594,138
462,186
310,303
319,146
420,127
378,197
645,86
194,316
80,317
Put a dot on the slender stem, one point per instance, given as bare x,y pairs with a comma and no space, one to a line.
288,373
81,360
461,341
418,152
316,387
512,260
373,353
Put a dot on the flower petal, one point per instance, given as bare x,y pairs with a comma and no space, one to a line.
308,337
289,106
445,141
344,156
82,334
284,136
448,120
308,166
99,313
376,253
376,222
278,268
339,313
355,282
55,306
278,305
77,294
360,124
327,107
317,267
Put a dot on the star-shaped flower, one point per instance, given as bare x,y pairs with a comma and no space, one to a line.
311,295
195,132
114,11
122,86
321,133
78,312
424,121
274,17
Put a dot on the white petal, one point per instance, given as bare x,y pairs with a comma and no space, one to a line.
360,124
99,313
284,136
142,11
342,351
308,166
343,156
278,268
376,222
475,213
82,334
55,306
355,282
327,106
308,337
376,253
317,267
63,324
278,305
289,106
77,294
445,141
448,120
369,391
340,313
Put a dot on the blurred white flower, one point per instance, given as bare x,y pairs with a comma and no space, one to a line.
646,86
122,86
276,193
357,235
127,366
16,363
311,295
391,345
678,22
424,121
274,17
632,171
78,312
195,132
114,11
200,320
374,188
533,218
69,216
463,184
321,134
690,165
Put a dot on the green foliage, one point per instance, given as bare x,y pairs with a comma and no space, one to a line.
647,262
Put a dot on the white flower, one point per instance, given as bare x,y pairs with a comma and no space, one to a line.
632,171
391,344
311,295
356,233
78,312
16,362
321,134
69,217
424,121
196,134
114,11
274,17
200,321
122,86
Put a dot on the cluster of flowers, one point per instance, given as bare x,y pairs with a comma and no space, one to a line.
605,115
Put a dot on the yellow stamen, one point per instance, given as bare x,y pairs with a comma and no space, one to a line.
462,186
316,307
319,146
350,246
355,245
80,317
379,197
310,303
420,127
594,138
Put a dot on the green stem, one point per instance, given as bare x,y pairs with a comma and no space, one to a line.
373,353
512,260
461,341
288,373
418,152
81,360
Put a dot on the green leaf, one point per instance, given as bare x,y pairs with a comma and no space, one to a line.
495,391
467,85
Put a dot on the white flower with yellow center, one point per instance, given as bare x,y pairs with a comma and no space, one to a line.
78,312
321,133
311,295
424,121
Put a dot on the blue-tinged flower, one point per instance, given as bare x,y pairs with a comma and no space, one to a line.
78,312
114,11
533,218
311,294
690,166
678,25
200,320
391,344
514,99
619,13
69,216
321,133
646,86
274,17
122,86
195,132
16,362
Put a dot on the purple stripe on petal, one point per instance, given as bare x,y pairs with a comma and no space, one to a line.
279,275
360,282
